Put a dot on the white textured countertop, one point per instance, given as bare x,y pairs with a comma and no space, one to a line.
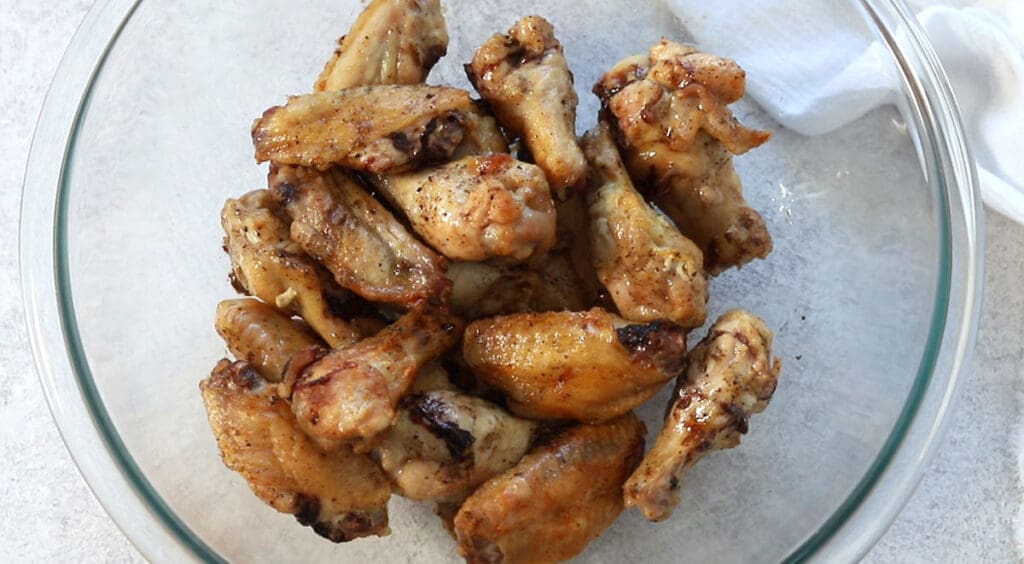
964,510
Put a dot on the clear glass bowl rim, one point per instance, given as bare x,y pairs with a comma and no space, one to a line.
157,532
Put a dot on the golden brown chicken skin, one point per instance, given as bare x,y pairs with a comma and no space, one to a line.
340,494
353,392
262,335
378,129
356,238
445,443
267,264
591,365
671,118
729,376
650,269
477,208
481,289
482,137
392,42
526,80
557,499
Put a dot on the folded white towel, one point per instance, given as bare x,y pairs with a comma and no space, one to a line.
816,67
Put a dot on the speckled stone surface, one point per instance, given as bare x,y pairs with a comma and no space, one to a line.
964,510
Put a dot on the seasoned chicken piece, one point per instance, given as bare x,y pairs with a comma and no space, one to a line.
354,391
524,77
483,136
356,238
729,376
477,208
392,42
262,336
267,264
432,377
591,365
446,443
649,268
376,129
340,494
560,496
481,289
678,136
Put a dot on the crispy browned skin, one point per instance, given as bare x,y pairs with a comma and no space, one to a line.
392,42
262,336
379,129
477,207
560,288
650,269
526,80
729,376
267,264
356,238
671,116
591,365
445,443
340,494
559,497
353,392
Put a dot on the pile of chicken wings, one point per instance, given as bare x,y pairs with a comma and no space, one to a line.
457,300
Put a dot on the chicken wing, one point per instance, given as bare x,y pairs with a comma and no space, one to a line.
591,366
677,135
477,208
649,268
526,80
560,288
262,336
366,249
378,129
481,289
557,499
729,376
340,494
392,42
353,392
267,264
445,443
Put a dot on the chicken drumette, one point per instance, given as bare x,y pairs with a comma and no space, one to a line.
392,42
649,268
526,80
729,376
677,136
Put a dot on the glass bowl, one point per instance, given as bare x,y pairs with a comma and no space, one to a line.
873,287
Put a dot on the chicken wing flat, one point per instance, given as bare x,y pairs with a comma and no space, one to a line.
378,129
446,443
262,336
340,494
392,42
729,376
353,392
355,237
477,208
557,499
526,80
481,289
650,269
267,264
677,135
560,288
591,366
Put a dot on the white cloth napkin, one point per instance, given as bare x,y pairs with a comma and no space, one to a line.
816,67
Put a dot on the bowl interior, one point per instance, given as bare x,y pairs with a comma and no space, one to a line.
164,139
